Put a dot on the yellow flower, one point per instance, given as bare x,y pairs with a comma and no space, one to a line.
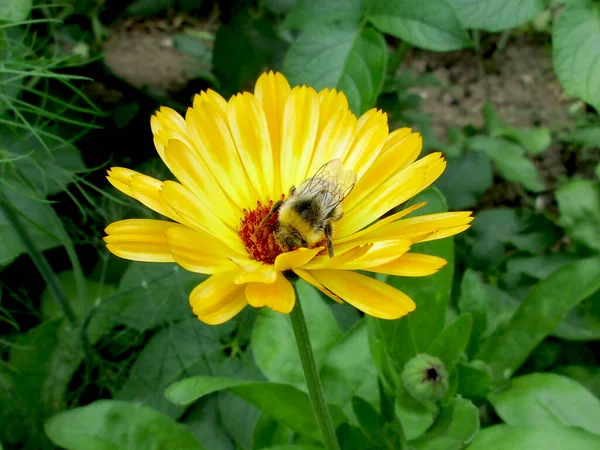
234,158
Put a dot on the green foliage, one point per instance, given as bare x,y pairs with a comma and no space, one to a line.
504,437
491,15
576,50
579,204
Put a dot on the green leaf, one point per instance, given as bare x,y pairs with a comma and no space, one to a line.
583,322
432,25
352,438
186,348
579,205
452,342
204,423
456,426
509,158
588,376
274,344
473,299
586,136
539,313
393,343
348,370
312,13
491,15
414,416
243,47
504,437
370,421
474,380
293,447
151,294
533,140
114,424
15,10
576,51
466,177
342,56
547,399
282,402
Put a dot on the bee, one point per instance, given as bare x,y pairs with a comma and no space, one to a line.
308,214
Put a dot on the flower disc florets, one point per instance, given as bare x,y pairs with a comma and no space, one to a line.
260,239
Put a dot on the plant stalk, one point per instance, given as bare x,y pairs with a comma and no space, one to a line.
39,260
311,373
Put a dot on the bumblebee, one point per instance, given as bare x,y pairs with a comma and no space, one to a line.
309,212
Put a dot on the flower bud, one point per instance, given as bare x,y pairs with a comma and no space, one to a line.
425,378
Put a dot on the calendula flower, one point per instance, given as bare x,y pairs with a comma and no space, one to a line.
234,159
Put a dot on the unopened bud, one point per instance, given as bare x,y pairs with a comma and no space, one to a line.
425,378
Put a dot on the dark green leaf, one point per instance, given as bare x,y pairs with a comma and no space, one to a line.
15,10
491,15
504,437
474,300
579,204
509,158
414,416
243,47
547,399
282,402
352,438
274,344
118,425
588,376
370,421
204,423
312,13
583,322
186,348
343,56
452,342
576,51
456,426
586,136
466,177
432,25
474,380
540,312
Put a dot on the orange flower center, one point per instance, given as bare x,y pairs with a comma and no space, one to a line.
260,239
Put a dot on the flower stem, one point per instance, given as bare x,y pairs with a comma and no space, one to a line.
313,382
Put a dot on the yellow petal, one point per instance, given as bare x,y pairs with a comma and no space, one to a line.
306,276
209,134
300,124
139,240
193,173
141,187
441,234
422,228
167,124
371,296
364,255
392,159
272,91
394,191
380,223
279,295
259,273
199,216
218,299
334,139
330,103
370,137
198,251
411,265
214,99
250,132
339,259
295,258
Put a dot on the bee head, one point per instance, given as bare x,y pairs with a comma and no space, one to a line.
290,237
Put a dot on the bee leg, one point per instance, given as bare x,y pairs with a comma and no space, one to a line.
327,228
274,209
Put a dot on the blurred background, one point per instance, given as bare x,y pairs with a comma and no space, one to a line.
508,91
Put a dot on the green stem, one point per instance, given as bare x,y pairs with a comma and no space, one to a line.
40,261
313,382
397,57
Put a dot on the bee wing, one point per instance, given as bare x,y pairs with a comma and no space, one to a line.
331,182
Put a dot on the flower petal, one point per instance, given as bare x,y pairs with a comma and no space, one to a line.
250,132
272,91
306,276
218,299
139,240
198,251
259,273
300,124
371,296
400,149
279,295
295,258
193,173
377,253
209,134
370,137
411,265
212,97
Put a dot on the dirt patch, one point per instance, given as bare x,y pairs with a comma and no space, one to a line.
518,81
